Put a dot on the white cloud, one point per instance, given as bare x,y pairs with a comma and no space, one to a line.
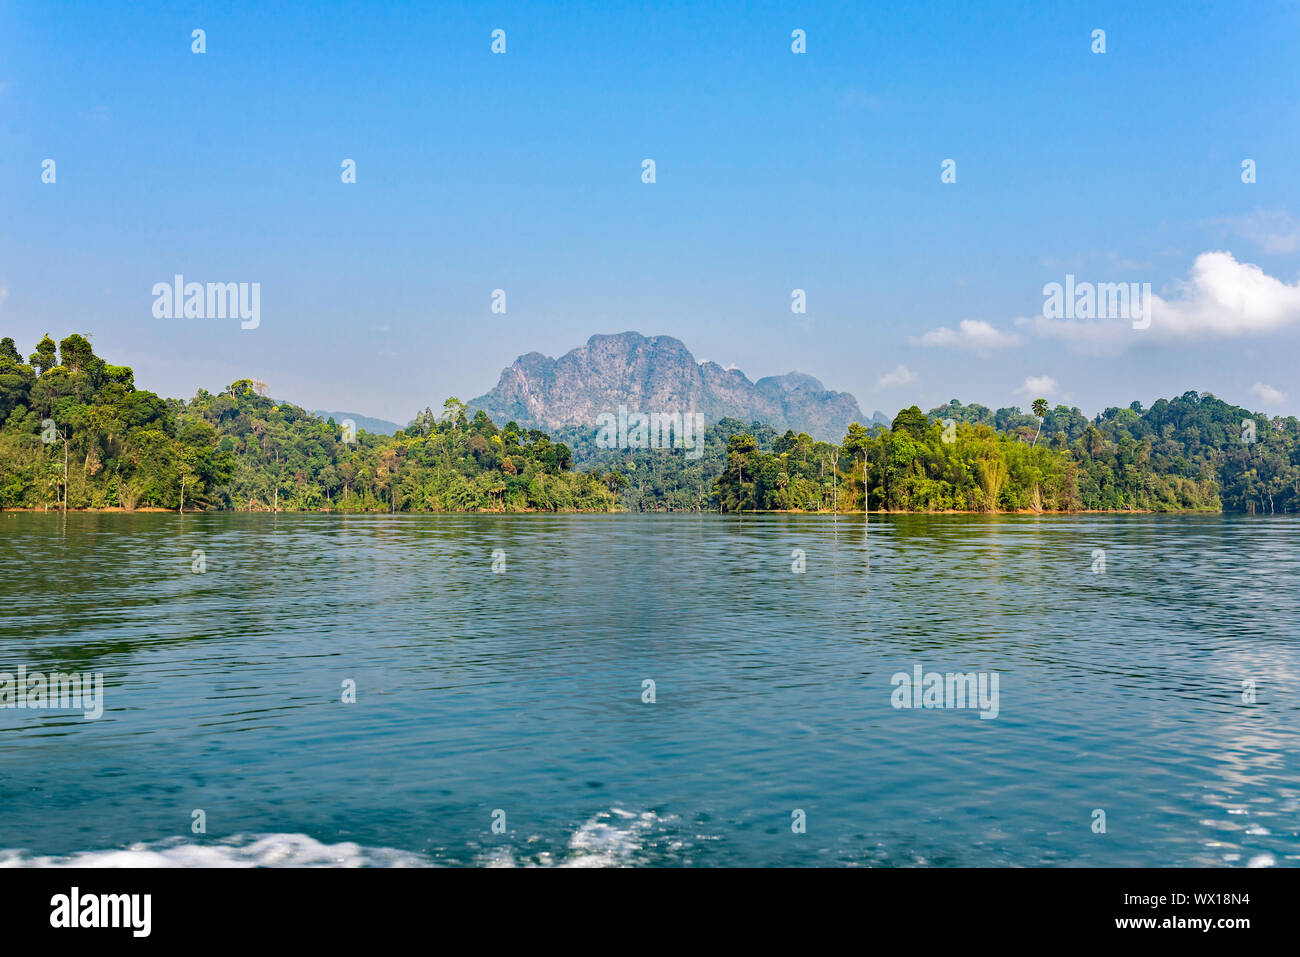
1221,298
1038,387
1101,337
974,334
1267,394
1273,231
900,376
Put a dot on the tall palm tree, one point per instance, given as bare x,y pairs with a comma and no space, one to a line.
1040,410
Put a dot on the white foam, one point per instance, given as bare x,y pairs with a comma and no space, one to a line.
613,838
265,850
604,842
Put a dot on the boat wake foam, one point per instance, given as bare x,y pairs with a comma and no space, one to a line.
259,850
612,838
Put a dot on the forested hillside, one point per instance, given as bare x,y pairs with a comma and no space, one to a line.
239,449
66,412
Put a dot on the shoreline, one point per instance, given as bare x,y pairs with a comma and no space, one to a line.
118,510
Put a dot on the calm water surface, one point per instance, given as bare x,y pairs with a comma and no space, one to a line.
522,691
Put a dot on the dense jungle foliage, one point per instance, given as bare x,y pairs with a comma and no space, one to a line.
75,432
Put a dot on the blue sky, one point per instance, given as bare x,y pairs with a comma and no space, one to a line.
775,171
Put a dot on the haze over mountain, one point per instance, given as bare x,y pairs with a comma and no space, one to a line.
364,423
658,374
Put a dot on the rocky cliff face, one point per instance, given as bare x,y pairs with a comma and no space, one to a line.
657,374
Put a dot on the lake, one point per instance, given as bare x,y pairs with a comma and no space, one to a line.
1146,668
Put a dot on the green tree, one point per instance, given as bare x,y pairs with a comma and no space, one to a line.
45,357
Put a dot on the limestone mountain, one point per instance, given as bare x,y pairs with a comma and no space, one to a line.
657,374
